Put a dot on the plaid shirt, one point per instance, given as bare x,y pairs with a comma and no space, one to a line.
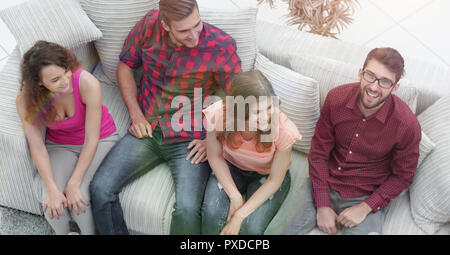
170,71
357,156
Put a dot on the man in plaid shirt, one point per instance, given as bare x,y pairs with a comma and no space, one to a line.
364,151
179,55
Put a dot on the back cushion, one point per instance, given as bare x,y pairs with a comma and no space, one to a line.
332,73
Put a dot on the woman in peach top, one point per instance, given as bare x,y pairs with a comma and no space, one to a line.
249,152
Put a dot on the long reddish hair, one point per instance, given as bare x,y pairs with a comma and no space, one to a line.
247,84
39,100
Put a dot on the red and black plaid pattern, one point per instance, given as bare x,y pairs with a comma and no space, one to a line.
357,156
170,71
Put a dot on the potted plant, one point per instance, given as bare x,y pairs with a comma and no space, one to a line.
322,17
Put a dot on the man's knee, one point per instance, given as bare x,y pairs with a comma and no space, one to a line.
100,193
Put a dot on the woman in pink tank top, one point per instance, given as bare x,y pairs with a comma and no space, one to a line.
58,94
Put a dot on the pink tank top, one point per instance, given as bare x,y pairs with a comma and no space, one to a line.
71,131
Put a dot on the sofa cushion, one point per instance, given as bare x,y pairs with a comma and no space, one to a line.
331,73
426,146
287,212
116,19
87,55
60,21
16,166
432,80
277,42
241,25
299,97
112,99
430,190
147,202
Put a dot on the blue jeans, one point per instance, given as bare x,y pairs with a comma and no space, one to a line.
131,158
216,204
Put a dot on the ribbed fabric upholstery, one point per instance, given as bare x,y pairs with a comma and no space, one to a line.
16,166
299,174
331,73
112,99
115,19
147,202
87,54
432,80
241,25
430,190
60,21
299,97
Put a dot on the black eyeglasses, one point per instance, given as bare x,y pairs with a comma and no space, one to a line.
382,82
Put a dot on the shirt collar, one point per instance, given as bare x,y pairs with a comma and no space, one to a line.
381,114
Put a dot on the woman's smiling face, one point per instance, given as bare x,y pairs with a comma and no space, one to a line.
56,79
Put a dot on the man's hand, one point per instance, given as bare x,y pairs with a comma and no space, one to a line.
198,148
354,215
326,220
140,127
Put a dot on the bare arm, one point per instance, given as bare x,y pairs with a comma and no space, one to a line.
139,125
220,167
280,165
91,94
39,153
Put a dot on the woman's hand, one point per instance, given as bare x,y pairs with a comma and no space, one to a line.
235,204
53,200
233,226
75,199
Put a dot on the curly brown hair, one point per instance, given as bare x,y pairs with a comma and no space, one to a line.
39,100
247,84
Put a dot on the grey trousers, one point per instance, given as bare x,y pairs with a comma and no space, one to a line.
63,159
307,213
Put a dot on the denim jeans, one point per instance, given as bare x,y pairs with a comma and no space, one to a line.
306,217
216,204
131,158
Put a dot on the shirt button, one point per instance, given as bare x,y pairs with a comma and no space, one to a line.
339,168
378,208
350,152
357,135
364,120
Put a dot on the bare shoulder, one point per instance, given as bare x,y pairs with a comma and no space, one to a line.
89,85
88,81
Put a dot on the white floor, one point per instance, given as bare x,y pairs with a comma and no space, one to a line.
417,28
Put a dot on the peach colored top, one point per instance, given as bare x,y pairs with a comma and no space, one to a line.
284,135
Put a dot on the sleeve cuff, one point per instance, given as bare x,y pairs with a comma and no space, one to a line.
322,199
375,201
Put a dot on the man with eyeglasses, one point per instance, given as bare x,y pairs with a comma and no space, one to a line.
364,151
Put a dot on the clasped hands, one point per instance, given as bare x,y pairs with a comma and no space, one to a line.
329,222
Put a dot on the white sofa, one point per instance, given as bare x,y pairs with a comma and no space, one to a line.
325,62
